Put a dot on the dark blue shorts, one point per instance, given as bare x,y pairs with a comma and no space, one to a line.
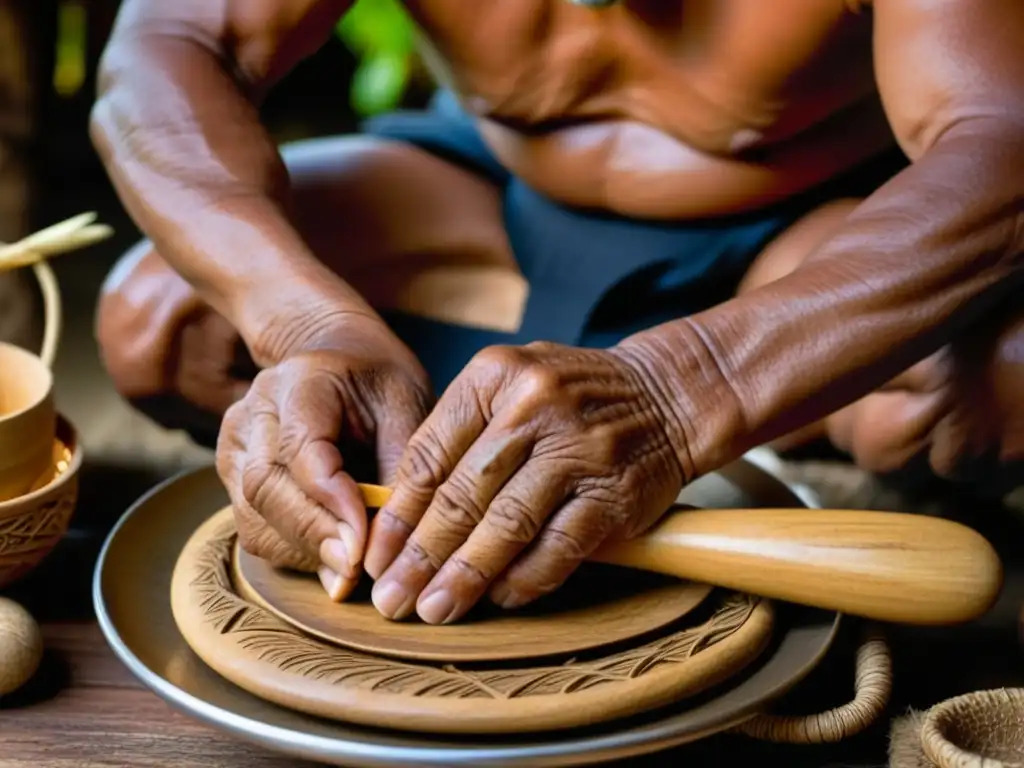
594,278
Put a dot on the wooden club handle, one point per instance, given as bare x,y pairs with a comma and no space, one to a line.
888,566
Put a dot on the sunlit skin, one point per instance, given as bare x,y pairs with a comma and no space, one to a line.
886,324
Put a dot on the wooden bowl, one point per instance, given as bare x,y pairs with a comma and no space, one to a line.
31,525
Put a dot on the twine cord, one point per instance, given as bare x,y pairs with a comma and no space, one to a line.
872,689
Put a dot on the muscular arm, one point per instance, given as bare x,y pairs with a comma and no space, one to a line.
177,126
920,258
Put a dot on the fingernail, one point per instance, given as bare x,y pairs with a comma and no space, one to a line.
352,545
377,560
333,583
505,597
383,546
437,608
334,554
391,601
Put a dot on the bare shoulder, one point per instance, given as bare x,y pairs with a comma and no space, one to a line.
261,38
217,15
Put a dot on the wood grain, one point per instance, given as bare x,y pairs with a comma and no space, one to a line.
599,606
99,716
87,710
888,566
901,568
263,655
55,725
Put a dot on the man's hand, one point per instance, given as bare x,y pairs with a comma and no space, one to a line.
956,408
166,350
285,448
533,457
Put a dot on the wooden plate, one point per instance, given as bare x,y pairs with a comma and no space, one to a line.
600,606
259,652
132,591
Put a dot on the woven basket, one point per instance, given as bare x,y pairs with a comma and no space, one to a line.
978,730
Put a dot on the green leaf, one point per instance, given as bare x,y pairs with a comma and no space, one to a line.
377,26
379,83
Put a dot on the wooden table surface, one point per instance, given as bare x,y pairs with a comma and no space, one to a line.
85,709
89,710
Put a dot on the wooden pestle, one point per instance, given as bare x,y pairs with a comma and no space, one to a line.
887,566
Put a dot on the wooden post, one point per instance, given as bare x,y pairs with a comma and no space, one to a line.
24,85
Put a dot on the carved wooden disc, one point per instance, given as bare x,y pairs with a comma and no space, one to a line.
600,606
271,659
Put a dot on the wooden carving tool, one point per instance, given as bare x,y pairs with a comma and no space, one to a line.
887,566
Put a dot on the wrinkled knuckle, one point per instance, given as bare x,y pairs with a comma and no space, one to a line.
394,521
543,347
466,571
565,547
408,391
258,480
255,539
604,446
421,469
605,494
293,439
304,529
416,552
455,507
265,545
513,520
539,379
494,361
264,381
539,386
251,542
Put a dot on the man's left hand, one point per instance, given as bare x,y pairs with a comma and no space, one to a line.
533,457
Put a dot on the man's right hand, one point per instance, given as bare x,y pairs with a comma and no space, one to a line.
284,449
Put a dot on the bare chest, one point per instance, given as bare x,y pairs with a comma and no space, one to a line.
719,76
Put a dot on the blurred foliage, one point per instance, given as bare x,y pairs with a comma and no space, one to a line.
69,68
382,36
378,32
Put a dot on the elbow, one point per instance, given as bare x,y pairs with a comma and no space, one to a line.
976,164
102,124
100,129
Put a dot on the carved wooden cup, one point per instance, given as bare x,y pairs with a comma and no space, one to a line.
32,524
40,453
28,421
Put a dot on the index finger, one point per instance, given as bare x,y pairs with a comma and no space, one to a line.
429,459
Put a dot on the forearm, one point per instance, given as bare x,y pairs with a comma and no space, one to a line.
201,177
917,261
